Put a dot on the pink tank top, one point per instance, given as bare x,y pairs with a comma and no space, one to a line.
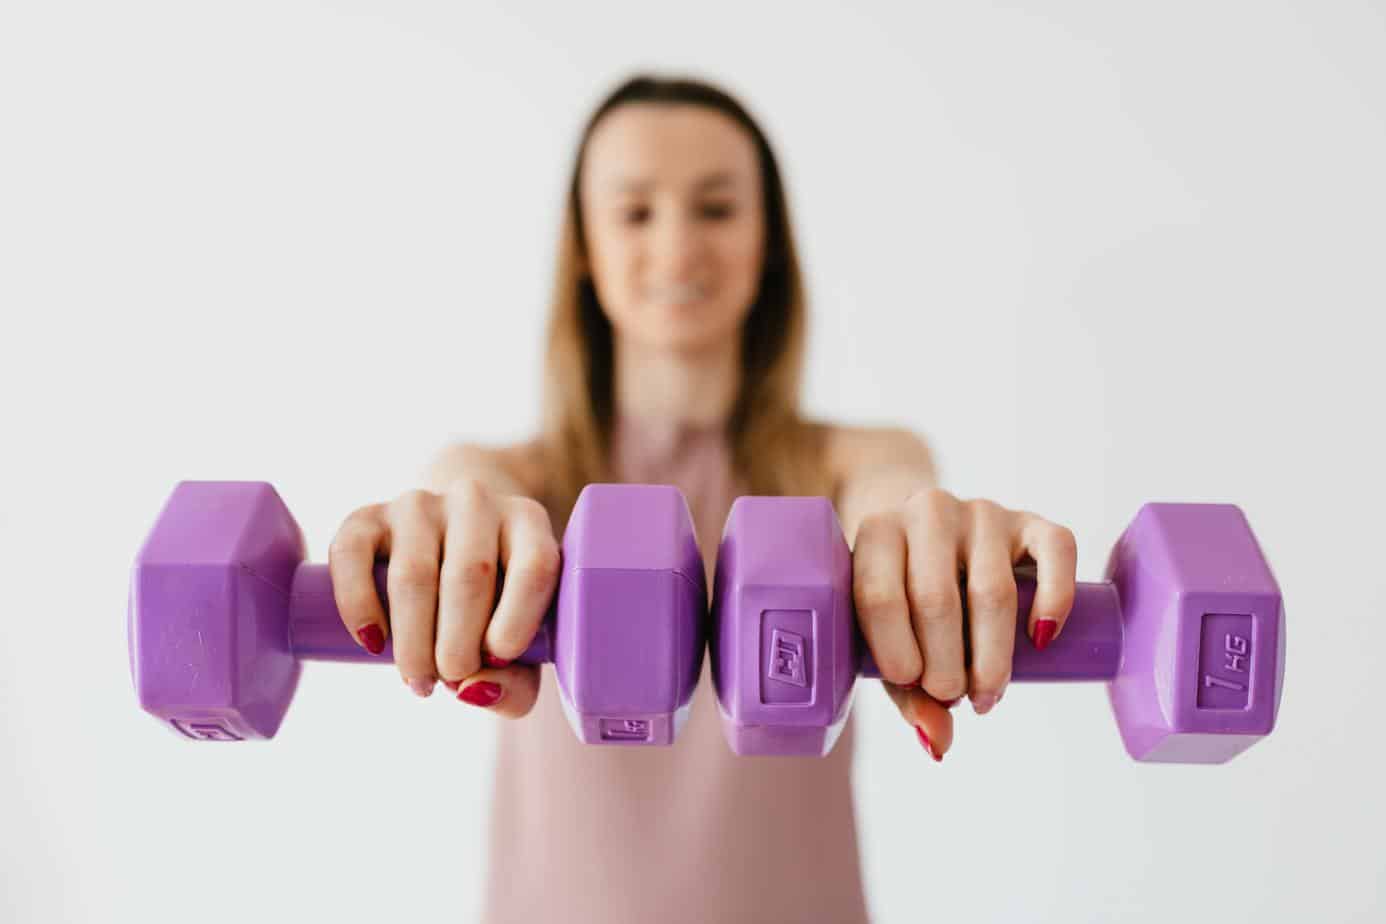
687,833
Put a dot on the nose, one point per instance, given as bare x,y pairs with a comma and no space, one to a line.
677,249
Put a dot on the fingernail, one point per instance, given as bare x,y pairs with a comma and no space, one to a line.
491,660
984,703
372,638
452,684
1044,632
481,693
928,745
949,704
421,687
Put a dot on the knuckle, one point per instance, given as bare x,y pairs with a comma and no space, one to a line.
473,576
984,508
539,572
550,556
355,534
874,524
343,545
878,601
413,575
991,593
929,500
468,493
1064,540
414,503
362,518
934,604
338,547
531,510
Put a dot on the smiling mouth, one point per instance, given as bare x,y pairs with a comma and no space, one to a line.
680,295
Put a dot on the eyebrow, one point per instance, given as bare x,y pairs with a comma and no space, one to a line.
721,178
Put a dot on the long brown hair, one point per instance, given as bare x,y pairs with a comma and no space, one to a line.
776,449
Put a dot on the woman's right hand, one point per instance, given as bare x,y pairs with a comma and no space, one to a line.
443,551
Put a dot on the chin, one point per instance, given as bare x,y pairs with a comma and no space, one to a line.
685,331
693,336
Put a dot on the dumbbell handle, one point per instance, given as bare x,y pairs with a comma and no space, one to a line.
316,632
1089,648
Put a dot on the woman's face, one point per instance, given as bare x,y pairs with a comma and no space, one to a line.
675,226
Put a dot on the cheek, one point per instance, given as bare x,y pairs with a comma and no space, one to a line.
742,254
614,268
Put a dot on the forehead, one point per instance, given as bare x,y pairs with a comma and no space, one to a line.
666,146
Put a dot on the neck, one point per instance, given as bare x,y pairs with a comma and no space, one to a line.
695,390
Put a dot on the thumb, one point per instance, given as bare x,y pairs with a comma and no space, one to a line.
932,721
507,691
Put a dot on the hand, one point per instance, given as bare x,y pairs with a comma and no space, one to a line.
441,584
908,563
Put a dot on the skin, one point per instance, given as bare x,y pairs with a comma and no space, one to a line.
671,197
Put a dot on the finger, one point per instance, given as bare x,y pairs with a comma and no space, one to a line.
531,558
932,721
1055,551
351,566
932,539
878,591
467,586
510,691
991,602
412,584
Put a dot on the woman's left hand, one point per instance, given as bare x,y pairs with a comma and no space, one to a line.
908,564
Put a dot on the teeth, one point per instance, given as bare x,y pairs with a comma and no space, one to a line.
687,293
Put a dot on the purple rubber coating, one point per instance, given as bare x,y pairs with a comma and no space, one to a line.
1187,628
223,609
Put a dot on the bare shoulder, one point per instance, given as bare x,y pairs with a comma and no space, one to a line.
851,450
513,468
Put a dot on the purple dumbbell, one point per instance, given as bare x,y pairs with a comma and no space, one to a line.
223,608
1187,627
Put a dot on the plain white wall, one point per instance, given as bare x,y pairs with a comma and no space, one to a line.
1097,254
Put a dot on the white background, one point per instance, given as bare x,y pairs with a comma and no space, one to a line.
1096,254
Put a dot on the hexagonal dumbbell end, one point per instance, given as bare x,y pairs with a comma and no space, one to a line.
783,655
209,611
1203,658
631,624
1188,629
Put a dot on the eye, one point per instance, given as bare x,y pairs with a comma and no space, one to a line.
635,216
718,210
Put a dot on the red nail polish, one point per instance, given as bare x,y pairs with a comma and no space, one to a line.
491,660
482,693
372,638
1044,632
949,704
452,684
928,745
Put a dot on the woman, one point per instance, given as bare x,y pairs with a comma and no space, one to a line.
674,357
